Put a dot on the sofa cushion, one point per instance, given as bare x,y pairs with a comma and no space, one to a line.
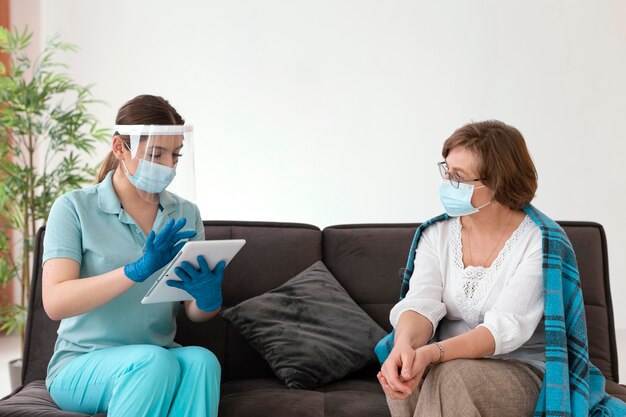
309,330
33,400
349,397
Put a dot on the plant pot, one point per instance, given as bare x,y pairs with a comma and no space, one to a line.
15,373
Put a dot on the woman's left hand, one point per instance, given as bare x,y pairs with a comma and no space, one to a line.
203,284
423,358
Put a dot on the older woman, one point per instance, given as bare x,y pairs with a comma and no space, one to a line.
476,289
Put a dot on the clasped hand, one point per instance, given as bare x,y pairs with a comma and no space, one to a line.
160,249
203,284
403,370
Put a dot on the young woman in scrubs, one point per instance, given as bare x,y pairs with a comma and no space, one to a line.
104,247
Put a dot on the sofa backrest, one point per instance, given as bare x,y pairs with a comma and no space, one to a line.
40,333
364,258
589,243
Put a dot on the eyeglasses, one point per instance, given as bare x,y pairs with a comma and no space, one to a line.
454,178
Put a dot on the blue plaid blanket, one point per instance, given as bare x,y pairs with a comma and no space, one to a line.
572,386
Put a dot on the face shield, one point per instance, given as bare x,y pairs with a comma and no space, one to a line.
161,155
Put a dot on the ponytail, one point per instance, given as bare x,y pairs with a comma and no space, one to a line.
109,164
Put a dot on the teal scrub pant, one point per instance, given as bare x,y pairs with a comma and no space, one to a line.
140,381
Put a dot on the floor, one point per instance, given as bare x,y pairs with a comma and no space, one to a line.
10,349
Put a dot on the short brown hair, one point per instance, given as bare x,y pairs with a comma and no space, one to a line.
141,110
503,160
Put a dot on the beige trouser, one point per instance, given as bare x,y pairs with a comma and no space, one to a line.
473,388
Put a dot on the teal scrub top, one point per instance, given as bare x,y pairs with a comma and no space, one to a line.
91,227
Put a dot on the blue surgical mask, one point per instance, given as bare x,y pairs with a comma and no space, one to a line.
151,177
458,201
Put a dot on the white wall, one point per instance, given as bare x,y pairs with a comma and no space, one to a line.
334,111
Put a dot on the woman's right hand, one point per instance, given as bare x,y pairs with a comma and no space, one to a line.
395,375
160,249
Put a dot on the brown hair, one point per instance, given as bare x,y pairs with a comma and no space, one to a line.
504,163
141,110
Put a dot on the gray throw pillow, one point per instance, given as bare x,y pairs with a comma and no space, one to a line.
309,330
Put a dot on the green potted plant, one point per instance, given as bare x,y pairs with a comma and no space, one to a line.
45,132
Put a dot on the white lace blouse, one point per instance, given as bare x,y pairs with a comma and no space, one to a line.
506,298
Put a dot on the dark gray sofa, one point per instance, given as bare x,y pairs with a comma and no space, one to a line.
365,259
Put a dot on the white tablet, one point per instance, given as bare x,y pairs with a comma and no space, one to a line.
213,251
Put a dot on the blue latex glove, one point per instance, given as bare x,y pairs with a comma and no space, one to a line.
159,251
203,284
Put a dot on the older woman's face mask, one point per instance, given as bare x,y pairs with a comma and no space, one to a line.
455,192
458,201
